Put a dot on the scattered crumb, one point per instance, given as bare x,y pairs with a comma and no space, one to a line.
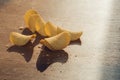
37,53
7,46
22,54
47,54
43,55
75,55
48,59
48,62
30,46
58,55
39,46
60,71
21,28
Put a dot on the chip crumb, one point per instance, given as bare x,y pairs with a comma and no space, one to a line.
48,59
39,46
58,55
21,28
47,55
7,46
60,71
22,54
37,53
75,55
48,62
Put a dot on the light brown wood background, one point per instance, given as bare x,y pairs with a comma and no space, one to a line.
96,58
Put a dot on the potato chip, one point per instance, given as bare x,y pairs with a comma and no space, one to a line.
50,29
74,35
40,26
27,16
20,39
34,21
57,42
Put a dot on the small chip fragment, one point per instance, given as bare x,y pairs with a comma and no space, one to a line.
21,28
7,46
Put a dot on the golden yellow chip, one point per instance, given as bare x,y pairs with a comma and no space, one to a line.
50,29
73,35
40,26
20,39
34,22
27,16
57,42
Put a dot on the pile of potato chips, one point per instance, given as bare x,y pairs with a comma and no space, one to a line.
57,37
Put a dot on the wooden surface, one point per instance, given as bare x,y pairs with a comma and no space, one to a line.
96,57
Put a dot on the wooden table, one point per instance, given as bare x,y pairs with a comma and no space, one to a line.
95,57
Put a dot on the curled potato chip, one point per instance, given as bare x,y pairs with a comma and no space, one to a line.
40,26
74,35
27,16
20,39
50,29
34,21
57,42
